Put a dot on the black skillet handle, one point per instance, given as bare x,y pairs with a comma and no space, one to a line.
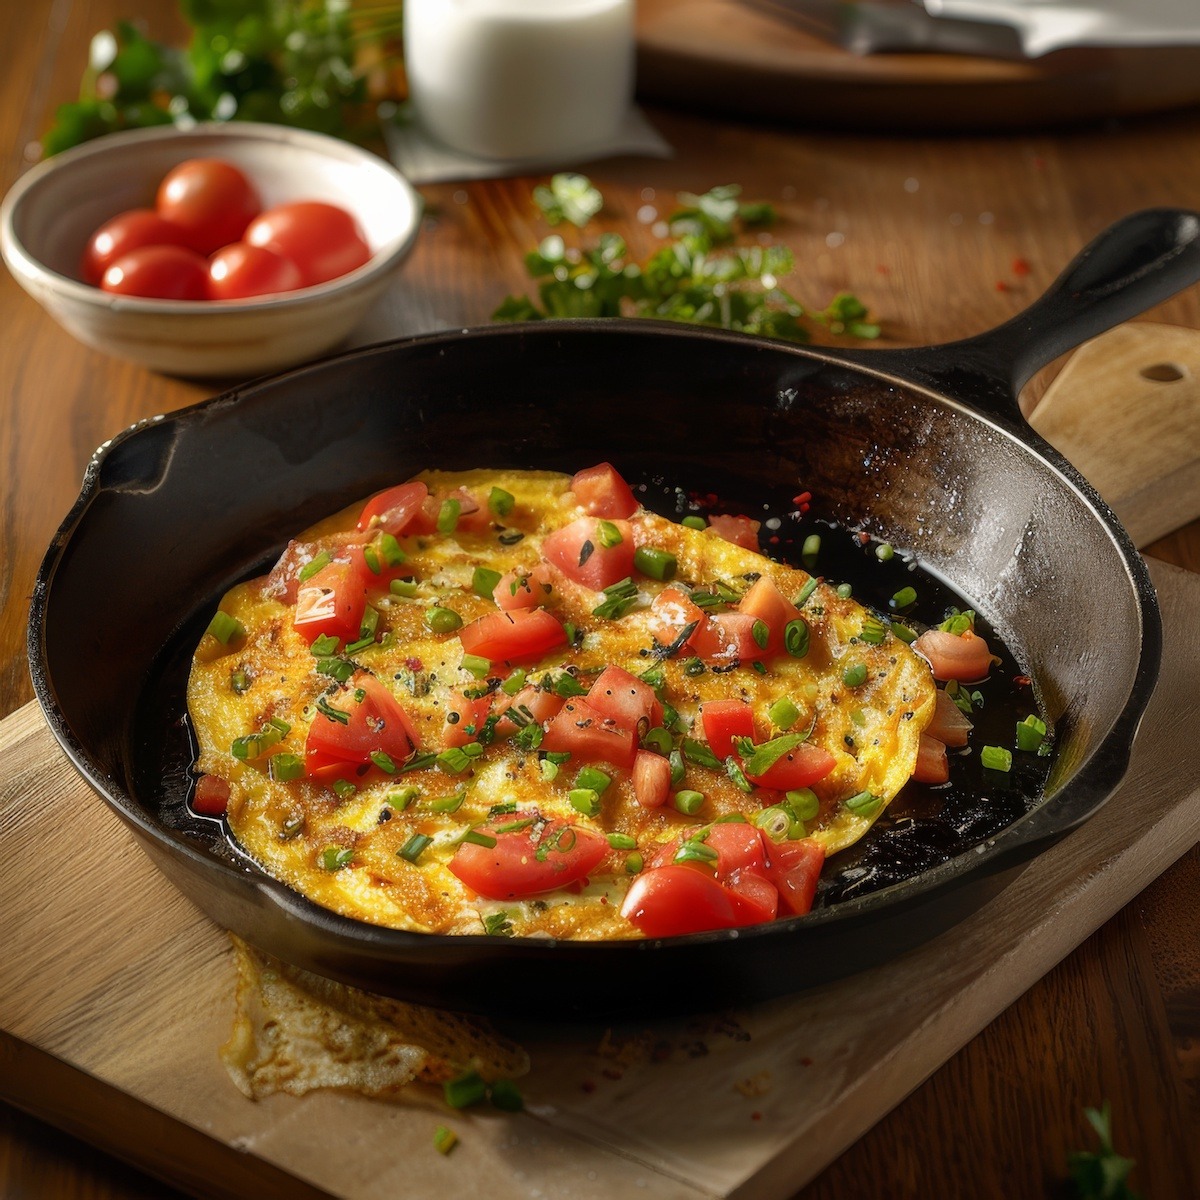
1136,263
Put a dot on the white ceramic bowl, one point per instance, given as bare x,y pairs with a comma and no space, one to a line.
48,216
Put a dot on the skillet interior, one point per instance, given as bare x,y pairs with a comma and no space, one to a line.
175,512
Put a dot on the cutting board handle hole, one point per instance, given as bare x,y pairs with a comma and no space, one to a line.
1163,372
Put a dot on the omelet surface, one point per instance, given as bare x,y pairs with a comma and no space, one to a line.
386,840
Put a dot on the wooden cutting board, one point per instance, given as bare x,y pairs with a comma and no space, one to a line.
116,993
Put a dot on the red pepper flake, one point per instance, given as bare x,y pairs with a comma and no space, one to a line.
774,539
1020,266
588,1086
1022,680
864,538
414,664
802,500
1001,286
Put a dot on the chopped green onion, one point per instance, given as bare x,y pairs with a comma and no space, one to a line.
760,631
506,1096
803,594
465,1090
634,863
384,762
225,628
783,714
795,637
448,514
855,676
775,822
884,552
479,839
619,598
675,758
1031,733
403,587
372,560
585,800
444,1139
319,563
805,803
333,714
608,534
414,847
845,591
549,770
514,683
418,761
343,788
693,666
695,851
476,666
810,549
501,502
254,745
766,755
656,563
858,717
694,522
442,620
622,841
558,757
239,681
655,677
904,597
658,740
484,581
996,758
391,551
454,760
497,924
906,635
283,768
689,802
864,804
958,622
334,858
514,826
698,753
591,777
873,631
403,798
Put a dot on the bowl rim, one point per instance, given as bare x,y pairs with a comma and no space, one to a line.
28,268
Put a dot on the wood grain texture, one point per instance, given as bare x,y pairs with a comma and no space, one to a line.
935,263
787,1084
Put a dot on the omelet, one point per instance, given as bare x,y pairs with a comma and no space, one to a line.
521,704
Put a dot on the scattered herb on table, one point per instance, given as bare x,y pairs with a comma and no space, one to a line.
698,276
316,64
1101,1174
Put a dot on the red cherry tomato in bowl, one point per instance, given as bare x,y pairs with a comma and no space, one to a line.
125,232
210,199
324,241
239,271
159,273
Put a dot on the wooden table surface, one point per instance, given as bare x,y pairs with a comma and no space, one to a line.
927,231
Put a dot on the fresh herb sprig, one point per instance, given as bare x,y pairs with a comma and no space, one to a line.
1101,1174
697,277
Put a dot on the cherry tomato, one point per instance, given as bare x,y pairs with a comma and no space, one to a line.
519,636
394,509
374,724
603,493
159,273
588,735
580,552
238,271
125,232
625,698
211,796
724,720
331,602
210,199
673,900
964,656
324,241
525,863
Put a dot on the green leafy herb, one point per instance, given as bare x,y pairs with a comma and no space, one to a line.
497,924
483,582
569,197
766,755
619,598
1101,1174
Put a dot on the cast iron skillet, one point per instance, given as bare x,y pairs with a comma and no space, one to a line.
925,448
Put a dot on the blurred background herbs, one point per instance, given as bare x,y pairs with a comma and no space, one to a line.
1101,1174
314,64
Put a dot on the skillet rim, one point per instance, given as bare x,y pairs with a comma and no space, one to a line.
1089,787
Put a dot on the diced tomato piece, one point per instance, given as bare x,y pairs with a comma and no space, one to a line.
523,635
964,656
374,724
673,900
799,768
724,720
672,611
736,633
588,735
542,705
524,588
512,869
579,552
331,602
768,604
651,779
372,580
932,764
626,698
949,724
739,847
211,797
603,493
741,531
794,869
393,509
469,715
757,895
473,517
